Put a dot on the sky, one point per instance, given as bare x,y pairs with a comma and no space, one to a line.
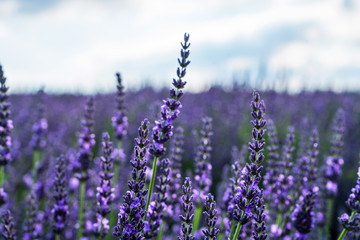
78,45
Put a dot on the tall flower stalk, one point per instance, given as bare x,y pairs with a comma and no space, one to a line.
203,169
130,218
60,210
5,130
105,192
86,141
188,208
170,110
248,196
8,231
211,232
334,163
120,125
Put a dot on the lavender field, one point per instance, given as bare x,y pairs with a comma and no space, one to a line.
239,163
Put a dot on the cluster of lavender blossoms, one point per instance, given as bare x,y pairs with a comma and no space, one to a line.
105,192
130,218
83,194
5,129
248,196
61,208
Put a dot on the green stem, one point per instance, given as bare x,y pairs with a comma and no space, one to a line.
232,230
81,209
36,159
238,228
345,231
161,232
2,175
197,218
330,204
57,237
151,186
101,229
278,220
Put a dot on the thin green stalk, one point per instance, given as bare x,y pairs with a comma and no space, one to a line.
152,182
101,229
81,209
330,205
36,159
2,175
57,237
345,231
237,232
232,230
161,232
278,220
197,218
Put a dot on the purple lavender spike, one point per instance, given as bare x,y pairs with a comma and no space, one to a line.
303,215
33,227
203,167
5,130
8,231
132,211
86,140
259,232
170,110
211,232
40,127
273,162
105,192
61,209
335,160
188,208
120,121
245,201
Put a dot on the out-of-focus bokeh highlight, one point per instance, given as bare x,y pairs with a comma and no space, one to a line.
77,45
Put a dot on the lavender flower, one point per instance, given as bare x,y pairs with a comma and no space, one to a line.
61,209
203,166
7,231
86,140
248,196
211,231
303,215
32,228
175,174
259,232
120,121
187,218
157,207
40,127
335,161
105,192
5,123
273,162
5,130
132,211
171,108
282,199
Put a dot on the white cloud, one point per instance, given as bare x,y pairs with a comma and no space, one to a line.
79,44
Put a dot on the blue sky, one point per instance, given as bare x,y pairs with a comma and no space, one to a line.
78,45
